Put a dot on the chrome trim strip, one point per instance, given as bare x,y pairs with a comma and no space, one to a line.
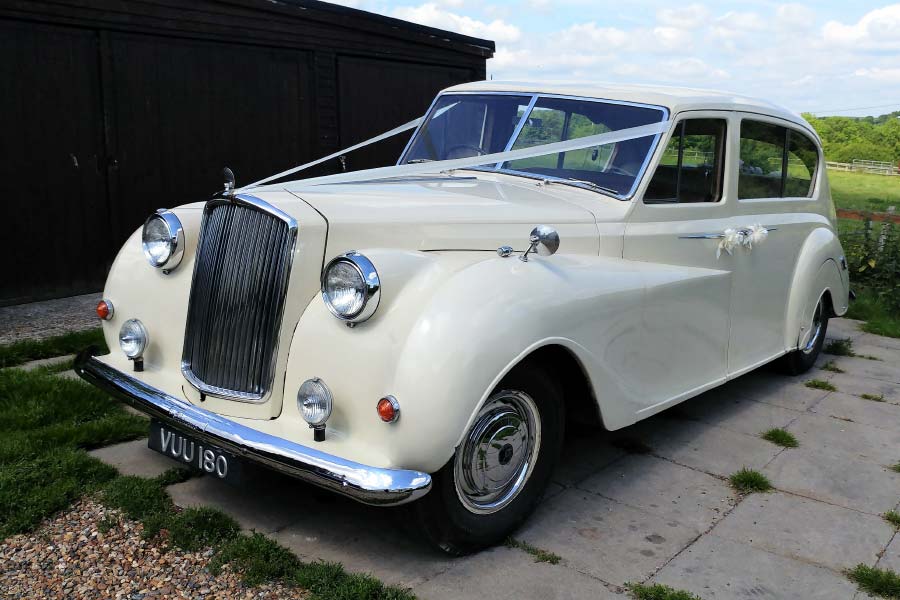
366,484
293,227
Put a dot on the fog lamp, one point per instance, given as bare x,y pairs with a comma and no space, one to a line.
315,403
133,339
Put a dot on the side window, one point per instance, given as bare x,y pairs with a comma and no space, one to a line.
691,168
802,162
762,160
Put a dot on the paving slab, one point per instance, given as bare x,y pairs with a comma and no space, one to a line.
606,539
135,458
45,362
891,557
737,413
882,415
712,449
664,489
882,370
806,530
856,385
505,573
38,320
583,454
264,507
867,339
841,329
835,436
715,568
775,389
855,484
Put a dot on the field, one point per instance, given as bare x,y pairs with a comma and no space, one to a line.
863,191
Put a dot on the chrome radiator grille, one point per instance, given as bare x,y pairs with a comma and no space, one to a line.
237,298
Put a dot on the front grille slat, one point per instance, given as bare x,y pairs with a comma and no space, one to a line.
241,273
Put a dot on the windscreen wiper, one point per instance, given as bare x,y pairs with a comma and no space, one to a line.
581,182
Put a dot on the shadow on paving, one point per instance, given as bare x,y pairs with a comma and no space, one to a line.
646,502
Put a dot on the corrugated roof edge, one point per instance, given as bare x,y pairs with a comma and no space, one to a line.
481,46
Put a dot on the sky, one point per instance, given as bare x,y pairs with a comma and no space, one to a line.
824,57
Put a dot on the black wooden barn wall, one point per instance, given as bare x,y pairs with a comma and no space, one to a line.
110,109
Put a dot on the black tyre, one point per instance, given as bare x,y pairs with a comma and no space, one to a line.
803,358
500,470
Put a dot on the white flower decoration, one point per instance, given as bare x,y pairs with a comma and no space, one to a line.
756,234
730,239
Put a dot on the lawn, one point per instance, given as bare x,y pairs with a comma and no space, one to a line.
50,421
864,191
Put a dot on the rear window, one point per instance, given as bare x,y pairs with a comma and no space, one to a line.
775,162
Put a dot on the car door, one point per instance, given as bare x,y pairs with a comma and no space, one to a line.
677,213
777,170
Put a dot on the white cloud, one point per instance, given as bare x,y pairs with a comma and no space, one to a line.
432,15
879,74
692,16
876,30
796,17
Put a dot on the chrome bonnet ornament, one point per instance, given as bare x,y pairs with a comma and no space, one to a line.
228,174
544,240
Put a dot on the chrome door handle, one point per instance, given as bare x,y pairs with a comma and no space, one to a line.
717,236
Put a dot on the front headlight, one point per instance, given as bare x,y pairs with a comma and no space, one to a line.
351,288
163,240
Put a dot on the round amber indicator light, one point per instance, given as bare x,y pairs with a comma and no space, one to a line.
104,310
388,409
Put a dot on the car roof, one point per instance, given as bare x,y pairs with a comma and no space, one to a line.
675,99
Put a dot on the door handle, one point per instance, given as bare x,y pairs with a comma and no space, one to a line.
744,232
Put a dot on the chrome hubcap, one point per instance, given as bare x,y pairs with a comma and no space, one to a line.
496,457
815,330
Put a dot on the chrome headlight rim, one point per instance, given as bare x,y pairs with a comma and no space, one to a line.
175,238
371,282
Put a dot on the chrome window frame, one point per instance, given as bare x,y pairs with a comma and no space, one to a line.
535,96
293,229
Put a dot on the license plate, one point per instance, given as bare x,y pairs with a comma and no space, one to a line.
192,452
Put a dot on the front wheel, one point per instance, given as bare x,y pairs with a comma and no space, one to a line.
500,469
804,357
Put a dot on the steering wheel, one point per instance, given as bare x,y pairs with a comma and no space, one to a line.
479,151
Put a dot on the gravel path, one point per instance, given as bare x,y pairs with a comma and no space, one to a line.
39,320
70,557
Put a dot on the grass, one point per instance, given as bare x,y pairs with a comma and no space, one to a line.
818,384
21,352
839,347
864,191
893,518
830,366
781,438
747,481
539,554
47,424
658,592
872,397
895,467
878,320
877,582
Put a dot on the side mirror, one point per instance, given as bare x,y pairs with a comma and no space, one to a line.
544,240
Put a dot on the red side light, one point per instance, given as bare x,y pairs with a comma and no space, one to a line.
105,310
388,409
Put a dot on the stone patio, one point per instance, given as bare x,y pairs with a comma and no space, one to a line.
665,516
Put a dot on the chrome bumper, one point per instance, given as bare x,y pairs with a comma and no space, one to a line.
369,485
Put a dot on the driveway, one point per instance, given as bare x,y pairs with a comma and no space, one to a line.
650,503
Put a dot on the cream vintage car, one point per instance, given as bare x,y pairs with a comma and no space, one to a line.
422,333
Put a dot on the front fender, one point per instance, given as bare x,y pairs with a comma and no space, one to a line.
817,272
450,326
